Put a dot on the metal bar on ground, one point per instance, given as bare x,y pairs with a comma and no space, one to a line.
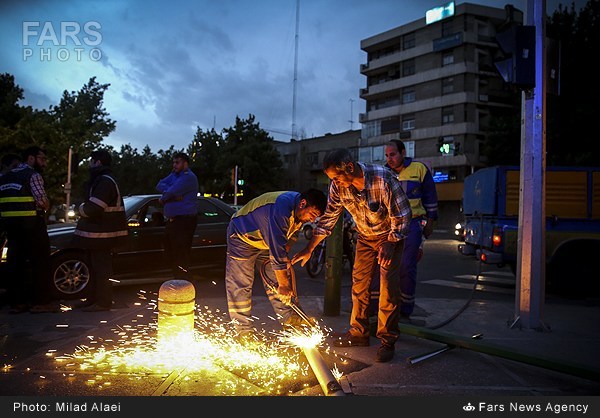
470,343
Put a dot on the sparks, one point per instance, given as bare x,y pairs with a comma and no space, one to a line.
213,347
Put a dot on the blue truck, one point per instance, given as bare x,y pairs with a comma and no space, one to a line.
491,209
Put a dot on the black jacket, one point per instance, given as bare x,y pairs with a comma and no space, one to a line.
103,223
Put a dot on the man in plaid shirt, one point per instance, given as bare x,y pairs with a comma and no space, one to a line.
374,197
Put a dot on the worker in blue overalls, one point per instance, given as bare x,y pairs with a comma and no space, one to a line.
261,233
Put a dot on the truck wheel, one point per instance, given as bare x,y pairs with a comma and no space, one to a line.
70,275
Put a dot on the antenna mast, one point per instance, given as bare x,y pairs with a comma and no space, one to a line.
351,113
294,133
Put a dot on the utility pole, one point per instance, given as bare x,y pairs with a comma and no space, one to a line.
294,133
351,114
235,185
531,243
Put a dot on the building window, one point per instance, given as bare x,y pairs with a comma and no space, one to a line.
384,103
447,58
447,28
410,148
447,85
447,115
408,122
408,41
390,125
378,154
408,95
312,159
371,129
408,68
364,155
375,154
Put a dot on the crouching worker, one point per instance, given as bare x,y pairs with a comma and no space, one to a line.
262,232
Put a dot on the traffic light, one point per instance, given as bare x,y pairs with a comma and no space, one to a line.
233,176
240,177
518,45
446,146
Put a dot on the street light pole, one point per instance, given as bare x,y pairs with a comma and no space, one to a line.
235,185
68,185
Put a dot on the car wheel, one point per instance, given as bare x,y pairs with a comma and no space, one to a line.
70,276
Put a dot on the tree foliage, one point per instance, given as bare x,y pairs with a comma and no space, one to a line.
571,116
251,148
205,149
80,122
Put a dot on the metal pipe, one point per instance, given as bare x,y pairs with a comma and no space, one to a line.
329,384
425,356
574,369
333,270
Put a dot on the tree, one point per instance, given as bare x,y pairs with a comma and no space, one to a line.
573,115
78,121
10,95
250,148
205,149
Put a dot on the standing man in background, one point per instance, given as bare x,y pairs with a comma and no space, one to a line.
23,206
180,199
419,186
102,226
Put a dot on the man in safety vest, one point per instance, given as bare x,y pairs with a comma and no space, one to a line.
23,206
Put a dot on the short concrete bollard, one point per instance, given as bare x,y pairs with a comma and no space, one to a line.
176,307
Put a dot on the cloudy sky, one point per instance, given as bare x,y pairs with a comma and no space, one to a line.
177,65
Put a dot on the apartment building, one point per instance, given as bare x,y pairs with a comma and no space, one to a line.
431,83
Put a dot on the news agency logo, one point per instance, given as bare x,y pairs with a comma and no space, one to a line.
63,41
468,407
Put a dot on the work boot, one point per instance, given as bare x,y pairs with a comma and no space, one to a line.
385,352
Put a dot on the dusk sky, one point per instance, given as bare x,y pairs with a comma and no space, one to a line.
177,65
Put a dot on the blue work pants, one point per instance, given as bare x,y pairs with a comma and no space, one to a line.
243,262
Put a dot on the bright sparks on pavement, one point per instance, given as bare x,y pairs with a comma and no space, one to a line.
272,361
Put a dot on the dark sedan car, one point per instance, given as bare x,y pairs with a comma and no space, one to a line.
142,257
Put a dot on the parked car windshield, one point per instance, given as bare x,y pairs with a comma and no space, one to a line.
131,201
